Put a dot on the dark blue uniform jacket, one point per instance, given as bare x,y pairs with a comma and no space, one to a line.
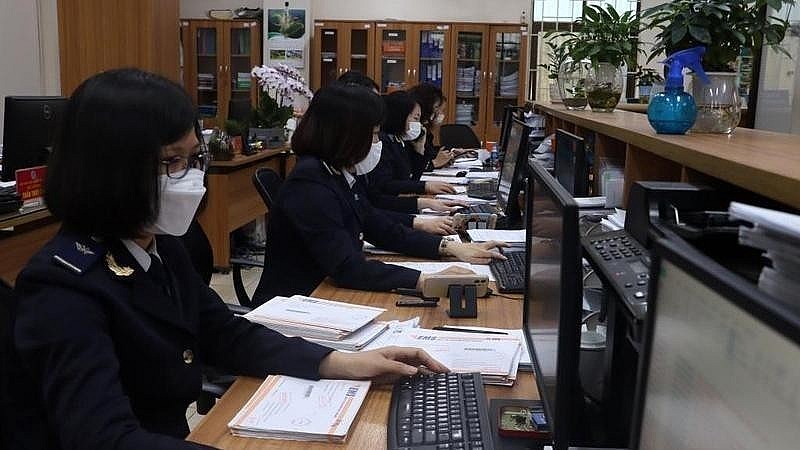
105,359
317,228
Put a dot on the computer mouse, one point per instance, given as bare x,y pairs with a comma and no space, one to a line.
462,173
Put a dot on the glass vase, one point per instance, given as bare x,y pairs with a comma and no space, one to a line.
719,107
555,94
572,84
604,83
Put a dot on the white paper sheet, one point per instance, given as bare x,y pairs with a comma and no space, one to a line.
483,175
465,198
484,235
451,180
525,360
432,267
316,312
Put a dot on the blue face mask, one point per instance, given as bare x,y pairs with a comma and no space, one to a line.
369,163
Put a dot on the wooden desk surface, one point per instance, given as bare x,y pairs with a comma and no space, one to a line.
242,160
369,429
764,162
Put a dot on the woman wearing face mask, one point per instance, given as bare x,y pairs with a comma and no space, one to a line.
432,106
403,137
318,223
112,324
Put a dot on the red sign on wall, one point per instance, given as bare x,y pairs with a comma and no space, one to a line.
30,185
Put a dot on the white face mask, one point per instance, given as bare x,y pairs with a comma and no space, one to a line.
439,119
413,131
179,200
369,163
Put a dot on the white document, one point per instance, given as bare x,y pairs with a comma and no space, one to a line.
590,202
444,172
484,235
467,163
433,267
393,335
451,180
292,408
483,175
314,312
356,340
525,359
780,222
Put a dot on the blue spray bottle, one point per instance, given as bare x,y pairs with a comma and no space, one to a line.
674,111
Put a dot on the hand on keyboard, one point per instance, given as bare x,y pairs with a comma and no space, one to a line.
440,205
384,365
476,253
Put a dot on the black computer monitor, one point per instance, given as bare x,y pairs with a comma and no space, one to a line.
553,300
509,113
721,366
29,128
572,168
512,171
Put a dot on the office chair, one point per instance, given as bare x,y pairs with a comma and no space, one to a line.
458,135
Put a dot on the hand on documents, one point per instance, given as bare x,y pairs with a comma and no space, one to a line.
384,365
439,187
440,205
441,225
475,253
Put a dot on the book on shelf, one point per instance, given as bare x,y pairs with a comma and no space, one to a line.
285,407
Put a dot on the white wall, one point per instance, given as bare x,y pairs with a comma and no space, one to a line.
422,10
196,9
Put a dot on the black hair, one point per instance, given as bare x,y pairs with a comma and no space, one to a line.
359,79
398,106
338,125
103,175
427,95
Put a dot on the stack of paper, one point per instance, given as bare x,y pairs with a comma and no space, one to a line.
433,267
482,235
483,175
465,198
293,408
444,179
338,325
778,233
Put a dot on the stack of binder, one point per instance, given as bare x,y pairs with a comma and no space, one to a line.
343,326
778,234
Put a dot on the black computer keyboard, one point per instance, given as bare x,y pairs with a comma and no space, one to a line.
510,274
478,209
441,411
485,189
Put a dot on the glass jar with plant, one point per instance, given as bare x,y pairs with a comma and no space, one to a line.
235,130
608,40
280,85
572,84
647,77
557,55
219,146
725,28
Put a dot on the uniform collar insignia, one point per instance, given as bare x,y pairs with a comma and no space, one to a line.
83,249
115,268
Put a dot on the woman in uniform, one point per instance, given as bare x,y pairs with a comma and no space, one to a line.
112,323
318,223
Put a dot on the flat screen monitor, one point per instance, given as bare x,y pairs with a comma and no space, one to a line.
509,113
572,169
553,300
515,159
29,129
721,366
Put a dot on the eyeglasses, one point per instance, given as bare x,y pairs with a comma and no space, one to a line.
176,167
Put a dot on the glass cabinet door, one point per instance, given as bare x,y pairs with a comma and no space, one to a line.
469,73
506,74
241,53
209,68
360,49
432,57
394,71
329,56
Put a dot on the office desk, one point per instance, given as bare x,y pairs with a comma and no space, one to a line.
369,429
233,200
31,229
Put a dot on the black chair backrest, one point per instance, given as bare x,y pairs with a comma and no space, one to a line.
267,183
458,136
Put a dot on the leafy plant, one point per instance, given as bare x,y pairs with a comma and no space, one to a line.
234,127
269,114
279,83
723,27
648,76
604,36
557,55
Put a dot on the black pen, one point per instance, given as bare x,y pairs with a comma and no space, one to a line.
469,330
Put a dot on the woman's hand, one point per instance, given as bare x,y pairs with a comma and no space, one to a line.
447,206
441,225
418,144
475,253
443,159
439,187
384,365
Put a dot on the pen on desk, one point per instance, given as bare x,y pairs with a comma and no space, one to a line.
469,330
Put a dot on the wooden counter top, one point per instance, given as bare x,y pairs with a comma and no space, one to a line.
764,162
242,160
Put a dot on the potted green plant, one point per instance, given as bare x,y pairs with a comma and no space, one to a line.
235,130
647,77
725,29
557,55
280,84
608,40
